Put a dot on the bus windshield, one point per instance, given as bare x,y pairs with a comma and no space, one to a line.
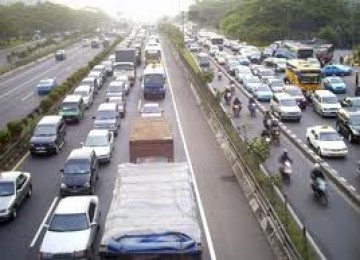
310,79
304,54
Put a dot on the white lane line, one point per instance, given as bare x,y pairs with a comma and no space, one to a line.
44,221
21,161
197,193
27,96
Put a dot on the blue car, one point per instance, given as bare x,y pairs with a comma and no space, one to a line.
263,93
45,86
335,84
335,70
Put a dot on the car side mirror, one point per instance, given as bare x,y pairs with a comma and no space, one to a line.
46,226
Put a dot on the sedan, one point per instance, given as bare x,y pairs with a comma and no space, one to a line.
194,47
151,110
335,84
45,86
251,82
14,188
72,230
263,93
326,141
102,142
275,84
296,93
336,69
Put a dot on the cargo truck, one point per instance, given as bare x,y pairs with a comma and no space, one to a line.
125,63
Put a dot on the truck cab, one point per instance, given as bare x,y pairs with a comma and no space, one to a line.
154,81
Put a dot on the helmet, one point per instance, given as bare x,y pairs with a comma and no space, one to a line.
285,151
275,121
267,113
316,166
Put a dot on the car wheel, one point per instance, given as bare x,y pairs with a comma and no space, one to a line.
13,213
29,193
350,138
318,151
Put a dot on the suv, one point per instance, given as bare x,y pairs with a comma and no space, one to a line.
48,135
348,123
60,55
80,172
285,107
14,188
72,108
72,229
325,103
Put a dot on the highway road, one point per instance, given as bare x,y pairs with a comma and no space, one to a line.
17,95
334,228
234,231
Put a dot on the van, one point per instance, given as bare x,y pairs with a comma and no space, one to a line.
116,89
80,173
48,136
72,108
154,81
99,77
92,82
60,55
101,68
87,94
107,117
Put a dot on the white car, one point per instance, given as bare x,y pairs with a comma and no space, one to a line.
285,106
220,57
326,141
194,47
99,77
102,142
325,103
72,229
121,103
241,72
151,110
213,50
280,64
87,94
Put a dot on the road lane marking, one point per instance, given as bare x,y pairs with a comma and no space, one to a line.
37,234
197,193
21,161
27,96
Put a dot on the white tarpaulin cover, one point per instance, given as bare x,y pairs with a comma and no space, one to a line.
151,199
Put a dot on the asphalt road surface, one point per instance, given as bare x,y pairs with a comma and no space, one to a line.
335,227
17,95
233,228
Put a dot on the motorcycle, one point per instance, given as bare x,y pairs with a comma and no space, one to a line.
252,109
219,76
236,110
319,189
266,135
286,170
267,123
275,135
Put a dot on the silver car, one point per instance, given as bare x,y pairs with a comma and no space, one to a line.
14,188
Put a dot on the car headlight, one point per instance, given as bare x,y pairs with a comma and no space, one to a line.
80,253
63,186
4,211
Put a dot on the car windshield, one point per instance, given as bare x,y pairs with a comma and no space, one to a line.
310,79
70,107
234,63
267,73
277,83
114,89
263,89
330,100
355,120
288,103
69,222
151,109
46,82
81,93
154,79
294,91
330,136
106,114
44,130
253,80
99,140
336,81
77,167
123,67
7,188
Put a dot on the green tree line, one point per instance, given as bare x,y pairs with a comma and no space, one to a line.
20,21
263,21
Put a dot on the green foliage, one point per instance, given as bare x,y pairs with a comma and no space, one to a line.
4,136
46,104
15,127
260,148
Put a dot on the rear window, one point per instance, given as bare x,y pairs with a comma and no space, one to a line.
79,166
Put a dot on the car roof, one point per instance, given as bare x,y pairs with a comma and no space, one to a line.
151,105
80,153
283,95
99,66
323,128
88,79
98,132
49,120
82,87
10,175
74,204
72,98
47,81
107,106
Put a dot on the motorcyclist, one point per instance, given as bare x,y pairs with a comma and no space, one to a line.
227,95
219,74
284,157
237,102
267,120
314,175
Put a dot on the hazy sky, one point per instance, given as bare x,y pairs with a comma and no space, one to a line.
137,9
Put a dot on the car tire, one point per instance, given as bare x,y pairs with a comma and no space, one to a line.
318,151
13,213
29,193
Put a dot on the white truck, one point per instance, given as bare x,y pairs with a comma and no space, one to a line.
153,214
